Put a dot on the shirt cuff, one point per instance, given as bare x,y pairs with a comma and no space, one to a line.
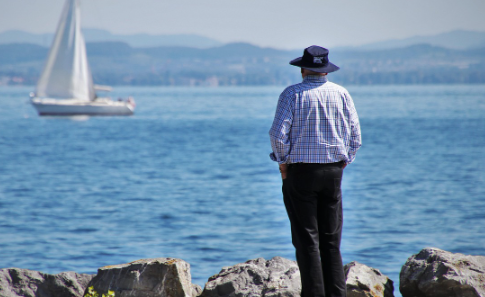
273,157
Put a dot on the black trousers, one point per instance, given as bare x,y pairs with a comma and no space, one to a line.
313,200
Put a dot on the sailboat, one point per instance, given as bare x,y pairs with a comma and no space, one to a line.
66,87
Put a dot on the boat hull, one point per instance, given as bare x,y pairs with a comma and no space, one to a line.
53,107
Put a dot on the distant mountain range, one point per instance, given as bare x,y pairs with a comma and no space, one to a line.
119,63
98,35
459,39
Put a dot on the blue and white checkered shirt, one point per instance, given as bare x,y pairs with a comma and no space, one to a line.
315,122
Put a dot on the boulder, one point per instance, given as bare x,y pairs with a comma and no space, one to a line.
258,277
437,273
15,282
364,281
161,277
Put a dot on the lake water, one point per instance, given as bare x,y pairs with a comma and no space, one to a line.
189,176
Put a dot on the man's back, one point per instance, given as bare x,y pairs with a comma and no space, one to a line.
319,120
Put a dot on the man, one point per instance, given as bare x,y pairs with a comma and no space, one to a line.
315,134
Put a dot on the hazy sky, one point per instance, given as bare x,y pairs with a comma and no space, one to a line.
274,23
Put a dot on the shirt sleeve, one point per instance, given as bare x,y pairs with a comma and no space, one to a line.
280,130
355,134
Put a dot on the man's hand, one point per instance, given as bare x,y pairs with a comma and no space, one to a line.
283,170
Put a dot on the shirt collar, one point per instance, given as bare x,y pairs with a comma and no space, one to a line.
315,78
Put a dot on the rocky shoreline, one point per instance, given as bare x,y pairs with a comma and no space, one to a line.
431,272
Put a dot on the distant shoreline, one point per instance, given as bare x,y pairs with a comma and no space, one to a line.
243,64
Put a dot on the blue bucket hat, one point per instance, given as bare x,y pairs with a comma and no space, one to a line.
315,58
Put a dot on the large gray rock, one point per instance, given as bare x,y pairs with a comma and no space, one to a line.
275,277
365,281
15,282
438,273
160,277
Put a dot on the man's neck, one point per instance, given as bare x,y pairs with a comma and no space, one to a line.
315,77
306,72
314,74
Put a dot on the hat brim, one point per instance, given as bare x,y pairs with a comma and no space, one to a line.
330,67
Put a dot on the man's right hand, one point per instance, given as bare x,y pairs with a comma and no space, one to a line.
283,170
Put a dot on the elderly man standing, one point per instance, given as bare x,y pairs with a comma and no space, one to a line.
315,134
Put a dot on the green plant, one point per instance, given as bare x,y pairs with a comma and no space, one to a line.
92,293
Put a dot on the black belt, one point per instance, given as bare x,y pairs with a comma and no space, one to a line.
300,164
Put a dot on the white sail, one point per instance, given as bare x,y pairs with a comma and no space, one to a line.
66,74
66,87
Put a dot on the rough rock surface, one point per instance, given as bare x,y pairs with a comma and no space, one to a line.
161,277
258,277
438,273
364,281
15,282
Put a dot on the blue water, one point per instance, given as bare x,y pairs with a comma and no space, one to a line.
189,176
